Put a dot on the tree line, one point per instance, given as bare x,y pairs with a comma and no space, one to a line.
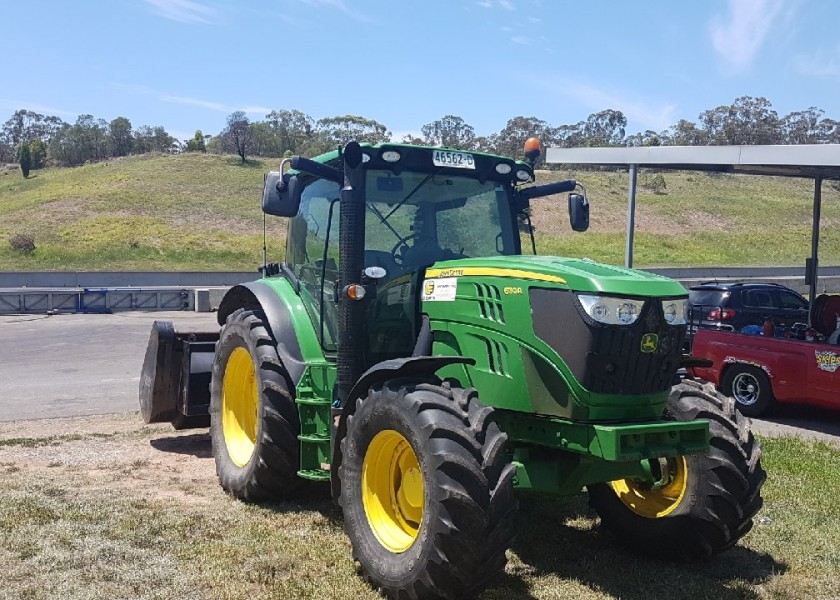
39,139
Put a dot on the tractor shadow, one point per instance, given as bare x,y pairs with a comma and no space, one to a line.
196,444
314,497
558,538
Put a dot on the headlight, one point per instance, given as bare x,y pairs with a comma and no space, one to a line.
610,310
675,311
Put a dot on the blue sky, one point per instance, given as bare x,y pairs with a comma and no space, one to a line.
187,64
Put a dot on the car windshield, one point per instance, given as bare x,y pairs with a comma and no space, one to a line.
448,216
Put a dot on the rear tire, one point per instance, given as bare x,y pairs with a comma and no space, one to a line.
750,387
253,417
710,503
426,490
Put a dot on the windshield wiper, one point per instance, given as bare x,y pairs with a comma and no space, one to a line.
410,194
382,220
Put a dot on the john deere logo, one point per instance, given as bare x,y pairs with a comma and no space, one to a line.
429,288
650,342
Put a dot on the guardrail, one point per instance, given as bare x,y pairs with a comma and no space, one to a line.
95,291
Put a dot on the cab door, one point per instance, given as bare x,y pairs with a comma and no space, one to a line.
312,256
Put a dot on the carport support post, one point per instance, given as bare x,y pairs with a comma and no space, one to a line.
815,239
631,218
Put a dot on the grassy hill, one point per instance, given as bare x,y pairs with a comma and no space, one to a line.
201,212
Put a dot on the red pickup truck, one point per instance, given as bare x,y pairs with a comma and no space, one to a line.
758,371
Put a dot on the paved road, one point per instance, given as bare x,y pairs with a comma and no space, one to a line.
801,421
77,364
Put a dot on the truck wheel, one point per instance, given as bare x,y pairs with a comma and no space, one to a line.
750,387
703,502
253,418
426,490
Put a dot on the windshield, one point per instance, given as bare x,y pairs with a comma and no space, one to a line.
421,218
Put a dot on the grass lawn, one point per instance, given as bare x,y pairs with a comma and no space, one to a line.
104,507
202,212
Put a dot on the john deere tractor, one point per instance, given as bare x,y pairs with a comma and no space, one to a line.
408,353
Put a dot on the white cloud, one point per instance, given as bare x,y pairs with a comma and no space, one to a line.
184,11
643,111
141,90
194,102
35,106
341,6
738,36
503,4
521,39
819,64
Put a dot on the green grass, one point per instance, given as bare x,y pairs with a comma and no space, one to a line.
183,212
700,219
142,523
202,212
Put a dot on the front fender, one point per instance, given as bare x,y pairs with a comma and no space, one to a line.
397,368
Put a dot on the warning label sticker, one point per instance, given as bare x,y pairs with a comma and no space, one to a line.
828,360
440,290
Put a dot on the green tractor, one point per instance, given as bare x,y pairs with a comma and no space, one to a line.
409,354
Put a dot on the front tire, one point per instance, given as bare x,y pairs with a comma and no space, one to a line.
750,387
705,502
426,490
253,418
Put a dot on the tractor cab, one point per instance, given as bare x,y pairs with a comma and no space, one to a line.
421,206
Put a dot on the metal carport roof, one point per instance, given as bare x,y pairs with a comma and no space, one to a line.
813,161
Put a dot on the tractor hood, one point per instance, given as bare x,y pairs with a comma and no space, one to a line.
576,274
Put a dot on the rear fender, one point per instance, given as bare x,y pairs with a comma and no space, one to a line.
415,367
281,325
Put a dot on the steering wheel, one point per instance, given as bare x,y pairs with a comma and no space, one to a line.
401,245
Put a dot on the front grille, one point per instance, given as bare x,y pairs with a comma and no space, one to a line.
608,358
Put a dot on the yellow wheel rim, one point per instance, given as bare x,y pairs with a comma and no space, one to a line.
240,399
655,501
392,490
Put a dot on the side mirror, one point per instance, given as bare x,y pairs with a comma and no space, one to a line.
578,212
281,194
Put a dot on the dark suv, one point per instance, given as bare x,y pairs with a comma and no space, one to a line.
733,306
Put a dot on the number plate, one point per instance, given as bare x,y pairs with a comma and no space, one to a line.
455,160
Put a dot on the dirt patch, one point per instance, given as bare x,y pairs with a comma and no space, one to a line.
116,452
